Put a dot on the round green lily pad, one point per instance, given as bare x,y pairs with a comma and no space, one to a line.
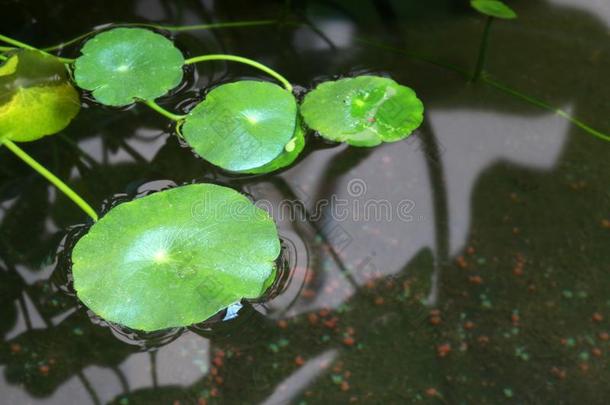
36,97
494,8
363,111
123,65
243,125
291,152
175,257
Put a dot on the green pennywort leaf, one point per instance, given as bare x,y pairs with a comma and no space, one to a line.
124,65
494,8
175,257
243,125
363,111
36,97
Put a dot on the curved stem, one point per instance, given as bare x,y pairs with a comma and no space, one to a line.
163,111
482,51
418,57
18,44
22,45
545,106
236,24
60,58
70,42
63,187
171,28
246,61
2,57
499,86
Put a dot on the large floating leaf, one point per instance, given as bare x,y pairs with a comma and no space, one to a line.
123,65
36,97
493,8
363,111
175,257
242,126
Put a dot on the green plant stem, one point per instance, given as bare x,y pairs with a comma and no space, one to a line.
67,43
2,57
414,56
163,111
63,187
236,24
246,61
497,85
16,43
545,106
22,45
175,28
482,58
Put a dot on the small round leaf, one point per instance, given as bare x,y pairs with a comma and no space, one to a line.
36,97
175,257
123,65
363,111
494,8
243,125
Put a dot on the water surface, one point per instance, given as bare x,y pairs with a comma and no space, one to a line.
489,284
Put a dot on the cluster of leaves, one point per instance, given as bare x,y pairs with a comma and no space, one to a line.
246,126
178,256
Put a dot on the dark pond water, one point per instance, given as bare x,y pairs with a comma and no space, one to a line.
487,281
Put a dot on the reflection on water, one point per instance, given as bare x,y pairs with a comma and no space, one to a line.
536,142
492,287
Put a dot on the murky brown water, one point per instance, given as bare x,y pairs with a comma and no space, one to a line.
483,280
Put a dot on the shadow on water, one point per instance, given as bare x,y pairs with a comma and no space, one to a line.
522,306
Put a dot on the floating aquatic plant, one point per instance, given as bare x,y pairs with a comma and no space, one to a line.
363,111
243,125
179,256
494,8
175,257
36,97
123,65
